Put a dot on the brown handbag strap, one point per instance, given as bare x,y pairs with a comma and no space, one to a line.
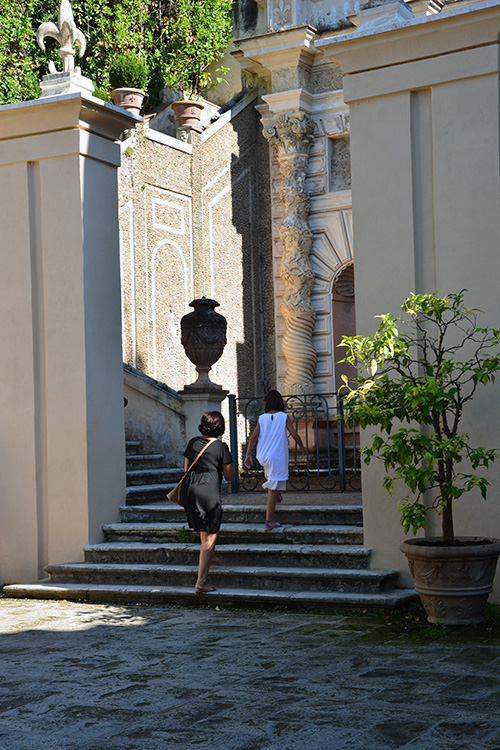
211,440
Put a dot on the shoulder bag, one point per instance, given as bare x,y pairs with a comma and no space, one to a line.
175,495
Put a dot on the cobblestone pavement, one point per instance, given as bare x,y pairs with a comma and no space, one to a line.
102,677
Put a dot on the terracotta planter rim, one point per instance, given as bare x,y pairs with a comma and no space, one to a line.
129,88
197,103
414,547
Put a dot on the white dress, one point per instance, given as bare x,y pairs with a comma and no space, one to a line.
272,450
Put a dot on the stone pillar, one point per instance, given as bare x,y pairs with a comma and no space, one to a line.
62,441
290,136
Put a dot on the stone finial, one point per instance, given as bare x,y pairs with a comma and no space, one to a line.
67,35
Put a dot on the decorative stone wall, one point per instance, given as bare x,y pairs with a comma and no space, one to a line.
327,181
194,223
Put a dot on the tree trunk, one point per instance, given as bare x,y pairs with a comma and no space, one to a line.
448,532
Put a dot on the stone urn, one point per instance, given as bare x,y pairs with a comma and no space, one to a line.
188,113
203,336
129,99
453,581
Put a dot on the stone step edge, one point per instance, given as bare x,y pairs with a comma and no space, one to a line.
247,570
159,471
337,549
147,456
184,595
172,508
136,489
125,527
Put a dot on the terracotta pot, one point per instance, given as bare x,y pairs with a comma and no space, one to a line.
453,582
203,336
188,114
129,99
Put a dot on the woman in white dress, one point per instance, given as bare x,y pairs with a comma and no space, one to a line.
272,450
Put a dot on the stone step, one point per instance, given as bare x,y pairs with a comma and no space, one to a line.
145,461
185,596
186,553
238,533
132,447
346,515
245,577
141,477
149,493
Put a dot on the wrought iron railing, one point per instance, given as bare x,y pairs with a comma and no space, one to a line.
332,461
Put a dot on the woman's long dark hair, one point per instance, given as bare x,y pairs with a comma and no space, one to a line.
273,401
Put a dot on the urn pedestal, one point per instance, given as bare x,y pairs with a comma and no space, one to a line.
203,338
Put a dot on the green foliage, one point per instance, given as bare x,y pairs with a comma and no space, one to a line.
130,70
20,57
421,372
178,39
198,35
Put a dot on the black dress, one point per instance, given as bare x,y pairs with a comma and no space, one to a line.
201,487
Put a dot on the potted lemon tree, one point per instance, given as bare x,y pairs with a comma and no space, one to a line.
416,378
198,34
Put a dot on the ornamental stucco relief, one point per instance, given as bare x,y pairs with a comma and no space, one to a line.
290,137
340,164
280,14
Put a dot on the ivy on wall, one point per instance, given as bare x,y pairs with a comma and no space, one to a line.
178,38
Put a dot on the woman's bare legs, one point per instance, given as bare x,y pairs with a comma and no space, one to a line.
207,552
271,505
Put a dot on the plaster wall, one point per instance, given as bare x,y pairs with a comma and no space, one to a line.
426,197
61,427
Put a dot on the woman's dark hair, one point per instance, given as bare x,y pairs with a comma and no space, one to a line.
273,401
212,424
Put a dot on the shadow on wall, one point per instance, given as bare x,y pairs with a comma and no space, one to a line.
251,217
154,415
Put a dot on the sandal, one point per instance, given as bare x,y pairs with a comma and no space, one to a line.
274,525
279,497
205,588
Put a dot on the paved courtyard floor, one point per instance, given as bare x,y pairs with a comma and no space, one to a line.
108,677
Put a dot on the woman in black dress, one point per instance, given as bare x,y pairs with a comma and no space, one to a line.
201,489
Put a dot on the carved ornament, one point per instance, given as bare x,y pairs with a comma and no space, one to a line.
67,35
290,136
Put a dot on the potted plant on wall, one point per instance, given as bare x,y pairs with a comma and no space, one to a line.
414,385
198,34
128,76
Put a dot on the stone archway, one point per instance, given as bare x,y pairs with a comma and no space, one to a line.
343,319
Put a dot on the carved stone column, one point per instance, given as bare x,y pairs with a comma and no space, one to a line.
290,136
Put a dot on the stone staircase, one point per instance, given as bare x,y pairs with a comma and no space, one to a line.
315,560
147,480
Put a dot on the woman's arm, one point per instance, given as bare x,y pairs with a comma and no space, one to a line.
293,432
251,443
228,471
186,464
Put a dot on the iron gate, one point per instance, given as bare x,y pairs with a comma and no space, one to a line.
332,448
